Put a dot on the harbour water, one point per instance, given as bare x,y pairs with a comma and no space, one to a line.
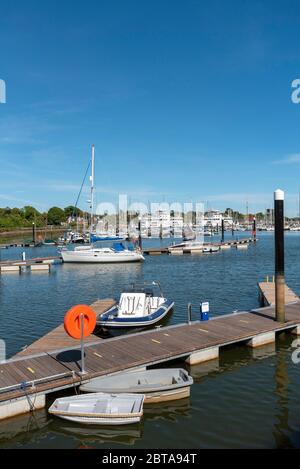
254,394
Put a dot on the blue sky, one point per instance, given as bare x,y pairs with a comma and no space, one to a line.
183,101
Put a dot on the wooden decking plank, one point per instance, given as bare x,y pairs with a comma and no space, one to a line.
267,290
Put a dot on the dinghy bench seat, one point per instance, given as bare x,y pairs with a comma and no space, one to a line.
100,407
118,408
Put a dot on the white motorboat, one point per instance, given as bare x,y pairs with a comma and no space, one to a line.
209,248
100,408
187,246
138,307
160,385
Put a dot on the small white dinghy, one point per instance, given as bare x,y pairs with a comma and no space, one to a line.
100,408
160,385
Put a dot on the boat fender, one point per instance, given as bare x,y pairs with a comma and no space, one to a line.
72,321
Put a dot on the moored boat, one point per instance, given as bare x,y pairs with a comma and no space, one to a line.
90,254
209,248
159,385
100,408
187,246
138,307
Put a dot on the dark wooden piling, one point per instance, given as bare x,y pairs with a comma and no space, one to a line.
33,233
223,231
279,256
254,229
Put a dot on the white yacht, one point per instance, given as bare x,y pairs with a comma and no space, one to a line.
90,254
93,254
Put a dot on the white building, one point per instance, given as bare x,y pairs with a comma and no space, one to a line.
161,223
213,219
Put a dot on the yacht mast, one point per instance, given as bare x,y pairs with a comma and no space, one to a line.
92,179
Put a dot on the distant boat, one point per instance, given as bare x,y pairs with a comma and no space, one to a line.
96,238
188,234
49,242
100,408
211,248
187,246
158,385
72,237
138,307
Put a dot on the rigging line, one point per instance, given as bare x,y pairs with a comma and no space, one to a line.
75,207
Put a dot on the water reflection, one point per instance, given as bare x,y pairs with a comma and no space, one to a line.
170,411
21,429
197,372
282,430
90,435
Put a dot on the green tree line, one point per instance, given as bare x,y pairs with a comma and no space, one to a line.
26,216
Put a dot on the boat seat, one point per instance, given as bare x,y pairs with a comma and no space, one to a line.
100,408
132,304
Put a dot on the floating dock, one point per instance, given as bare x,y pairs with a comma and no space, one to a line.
53,363
58,339
267,293
39,264
156,251
28,262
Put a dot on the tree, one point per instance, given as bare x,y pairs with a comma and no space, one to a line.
72,211
56,216
31,213
260,216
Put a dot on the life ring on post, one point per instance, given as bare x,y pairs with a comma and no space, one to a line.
72,321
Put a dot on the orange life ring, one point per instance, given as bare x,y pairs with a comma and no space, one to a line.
72,321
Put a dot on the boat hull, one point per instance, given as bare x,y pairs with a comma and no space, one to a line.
158,385
126,323
167,396
101,421
87,258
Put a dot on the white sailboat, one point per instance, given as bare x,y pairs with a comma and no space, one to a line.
91,254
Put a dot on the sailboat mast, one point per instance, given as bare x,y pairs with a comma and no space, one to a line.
92,186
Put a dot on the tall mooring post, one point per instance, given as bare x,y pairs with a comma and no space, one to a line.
140,233
254,229
33,233
223,230
279,255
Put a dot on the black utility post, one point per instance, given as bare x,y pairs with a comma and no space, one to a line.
279,255
223,230
33,233
254,230
140,233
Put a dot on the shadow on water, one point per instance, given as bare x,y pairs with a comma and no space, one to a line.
22,429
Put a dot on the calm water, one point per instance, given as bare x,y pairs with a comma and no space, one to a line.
247,399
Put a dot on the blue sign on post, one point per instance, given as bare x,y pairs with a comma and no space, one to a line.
204,311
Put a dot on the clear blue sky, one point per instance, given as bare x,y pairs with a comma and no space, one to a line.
183,101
